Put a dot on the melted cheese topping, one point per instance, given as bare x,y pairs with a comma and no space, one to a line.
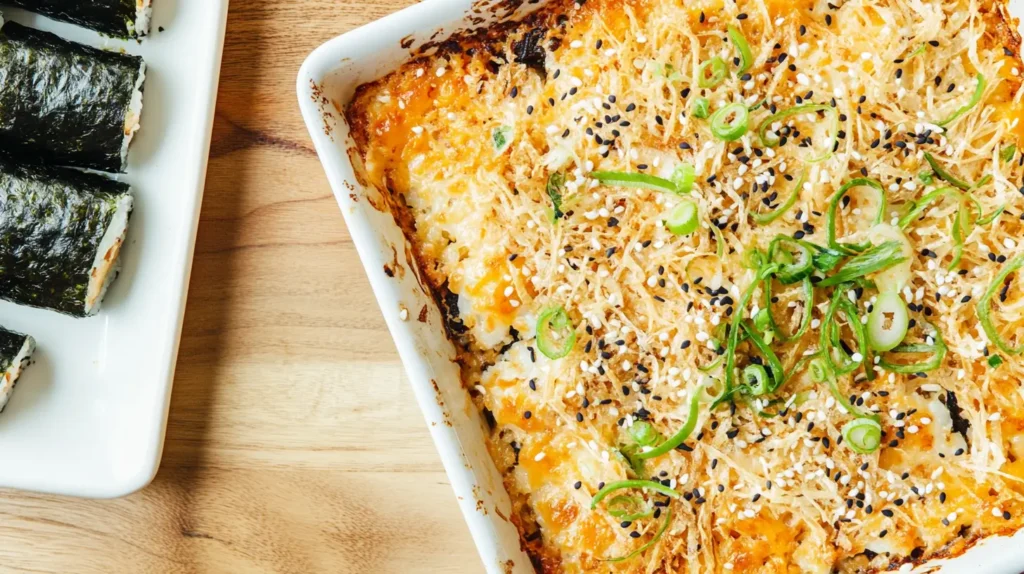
613,92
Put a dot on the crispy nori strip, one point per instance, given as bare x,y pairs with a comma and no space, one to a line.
61,102
530,50
52,222
960,424
112,17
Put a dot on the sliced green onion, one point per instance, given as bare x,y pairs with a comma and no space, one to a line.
985,307
831,333
683,176
926,177
992,216
918,207
887,322
821,373
681,435
897,276
649,543
701,108
862,435
757,104
805,321
833,207
937,350
754,258
962,227
644,433
668,71
638,466
763,319
629,508
975,99
712,365
624,484
945,175
746,57
555,333
732,129
756,379
719,240
994,361
793,257
718,72
502,137
920,50
754,406
875,259
683,219
825,259
637,180
828,337
712,390
764,218
801,365
1008,152
734,332
554,188
774,364
772,140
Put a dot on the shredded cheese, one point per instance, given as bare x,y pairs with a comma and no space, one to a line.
611,89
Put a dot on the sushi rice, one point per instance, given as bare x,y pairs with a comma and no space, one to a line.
107,262
133,117
143,16
13,364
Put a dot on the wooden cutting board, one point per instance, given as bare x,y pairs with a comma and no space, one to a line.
294,442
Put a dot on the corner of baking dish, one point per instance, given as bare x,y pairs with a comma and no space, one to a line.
326,82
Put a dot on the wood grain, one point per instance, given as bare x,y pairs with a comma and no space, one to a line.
294,442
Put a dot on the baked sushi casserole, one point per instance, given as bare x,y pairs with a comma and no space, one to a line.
64,108
735,284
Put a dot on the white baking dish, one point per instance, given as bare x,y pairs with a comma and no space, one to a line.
326,83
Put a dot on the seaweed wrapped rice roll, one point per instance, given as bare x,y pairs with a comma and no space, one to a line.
61,233
63,103
118,18
15,351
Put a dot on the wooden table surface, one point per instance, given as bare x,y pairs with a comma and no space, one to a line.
294,442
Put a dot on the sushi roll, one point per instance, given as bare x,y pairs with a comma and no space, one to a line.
15,352
61,232
117,18
67,104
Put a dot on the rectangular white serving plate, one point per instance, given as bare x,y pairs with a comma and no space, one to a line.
88,417
326,84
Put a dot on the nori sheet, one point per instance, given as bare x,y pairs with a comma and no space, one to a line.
112,17
52,221
63,103
10,345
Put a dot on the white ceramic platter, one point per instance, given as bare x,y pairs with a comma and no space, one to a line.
88,417
326,83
